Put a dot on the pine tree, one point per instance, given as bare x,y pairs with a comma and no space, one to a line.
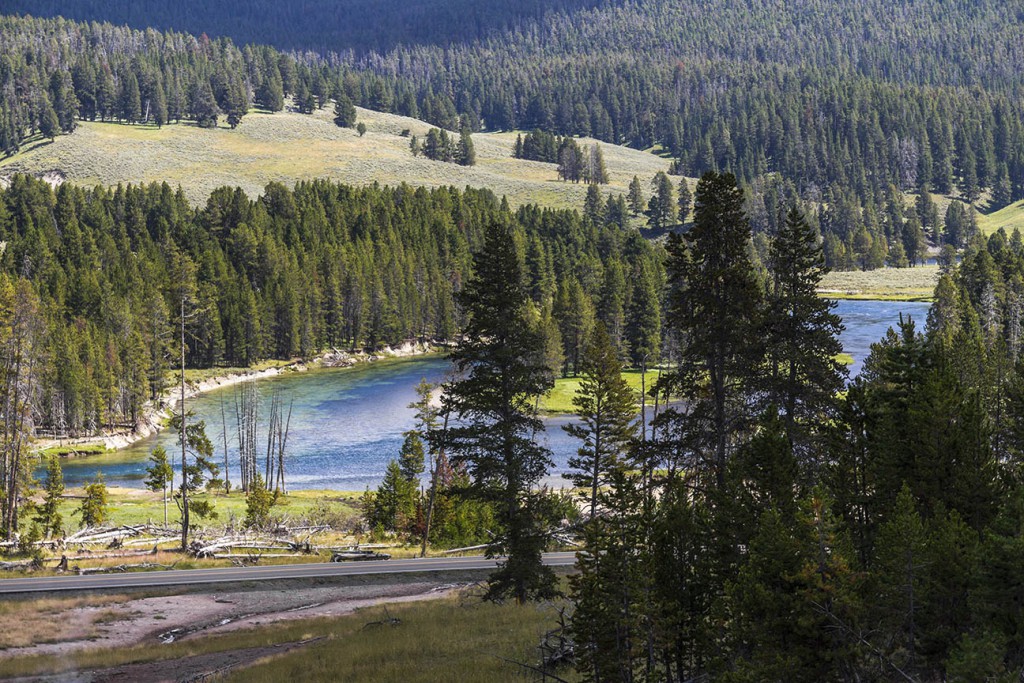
159,107
344,111
575,315
93,510
661,208
714,311
393,506
635,197
900,574
802,333
130,100
597,171
606,407
236,103
608,622
48,515
160,475
611,308
270,94
503,375
258,501
593,206
411,457
203,104
467,153
684,200
49,124
643,332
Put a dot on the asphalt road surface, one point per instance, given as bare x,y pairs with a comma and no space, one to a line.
184,577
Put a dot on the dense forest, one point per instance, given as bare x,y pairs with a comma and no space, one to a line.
848,123
288,274
321,25
768,520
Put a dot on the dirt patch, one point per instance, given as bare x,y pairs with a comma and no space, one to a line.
198,668
167,619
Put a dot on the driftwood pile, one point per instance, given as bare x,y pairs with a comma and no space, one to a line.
243,548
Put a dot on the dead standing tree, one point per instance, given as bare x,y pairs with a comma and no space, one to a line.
247,402
277,441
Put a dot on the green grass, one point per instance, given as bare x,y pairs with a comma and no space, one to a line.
289,147
193,375
1009,218
69,451
559,400
883,284
452,639
140,506
844,358
469,648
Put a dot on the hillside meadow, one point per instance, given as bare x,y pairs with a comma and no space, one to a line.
288,147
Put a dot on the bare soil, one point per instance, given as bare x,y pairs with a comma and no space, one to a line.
166,619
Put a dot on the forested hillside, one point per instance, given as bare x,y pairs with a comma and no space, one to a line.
847,104
319,25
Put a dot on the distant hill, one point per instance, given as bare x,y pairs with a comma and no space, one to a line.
321,25
289,147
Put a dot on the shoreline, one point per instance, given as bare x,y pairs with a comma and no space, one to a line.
155,414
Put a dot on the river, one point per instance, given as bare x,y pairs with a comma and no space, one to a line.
346,424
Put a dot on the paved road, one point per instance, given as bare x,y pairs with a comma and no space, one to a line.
182,577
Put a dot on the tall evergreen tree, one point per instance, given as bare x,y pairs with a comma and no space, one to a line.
503,372
467,153
344,111
716,298
661,209
635,198
606,407
684,200
802,333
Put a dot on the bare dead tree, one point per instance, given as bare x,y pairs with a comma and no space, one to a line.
247,400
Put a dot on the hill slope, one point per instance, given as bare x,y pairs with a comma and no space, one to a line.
288,147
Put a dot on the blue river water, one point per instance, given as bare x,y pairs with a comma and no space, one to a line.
347,424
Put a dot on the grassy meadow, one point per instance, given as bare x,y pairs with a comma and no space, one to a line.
1009,218
559,400
883,284
141,506
288,147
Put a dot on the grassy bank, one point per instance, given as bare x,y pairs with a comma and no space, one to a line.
883,284
559,400
141,506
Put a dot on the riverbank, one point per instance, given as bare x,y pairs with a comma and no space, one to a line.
156,414
883,284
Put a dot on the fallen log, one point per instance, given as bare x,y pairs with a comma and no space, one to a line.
152,541
15,564
467,548
107,556
227,556
123,568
